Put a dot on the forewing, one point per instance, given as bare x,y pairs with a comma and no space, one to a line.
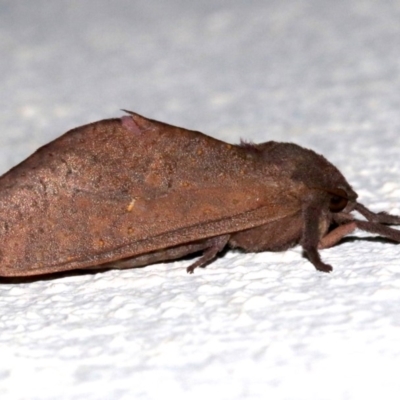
123,187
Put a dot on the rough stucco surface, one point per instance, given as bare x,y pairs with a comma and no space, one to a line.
322,74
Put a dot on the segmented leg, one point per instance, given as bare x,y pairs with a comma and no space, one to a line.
380,218
216,245
336,235
310,237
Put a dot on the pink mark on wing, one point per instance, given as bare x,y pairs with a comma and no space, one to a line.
129,123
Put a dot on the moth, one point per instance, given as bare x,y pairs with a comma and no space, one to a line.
131,191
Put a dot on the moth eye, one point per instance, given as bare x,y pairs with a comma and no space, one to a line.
338,201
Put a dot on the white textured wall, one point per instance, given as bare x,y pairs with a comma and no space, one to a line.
319,73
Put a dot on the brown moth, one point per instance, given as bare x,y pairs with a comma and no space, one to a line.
131,191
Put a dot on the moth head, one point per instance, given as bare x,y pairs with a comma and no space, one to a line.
310,168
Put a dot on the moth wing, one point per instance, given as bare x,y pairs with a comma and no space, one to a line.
123,187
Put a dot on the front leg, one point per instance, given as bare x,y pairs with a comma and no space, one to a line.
315,224
337,234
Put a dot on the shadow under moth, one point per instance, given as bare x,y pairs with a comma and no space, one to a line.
131,191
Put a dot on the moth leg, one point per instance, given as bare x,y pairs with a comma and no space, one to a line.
312,214
380,218
216,244
373,227
377,221
172,253
375,224
336,235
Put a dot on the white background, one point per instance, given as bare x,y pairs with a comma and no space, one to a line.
319,73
